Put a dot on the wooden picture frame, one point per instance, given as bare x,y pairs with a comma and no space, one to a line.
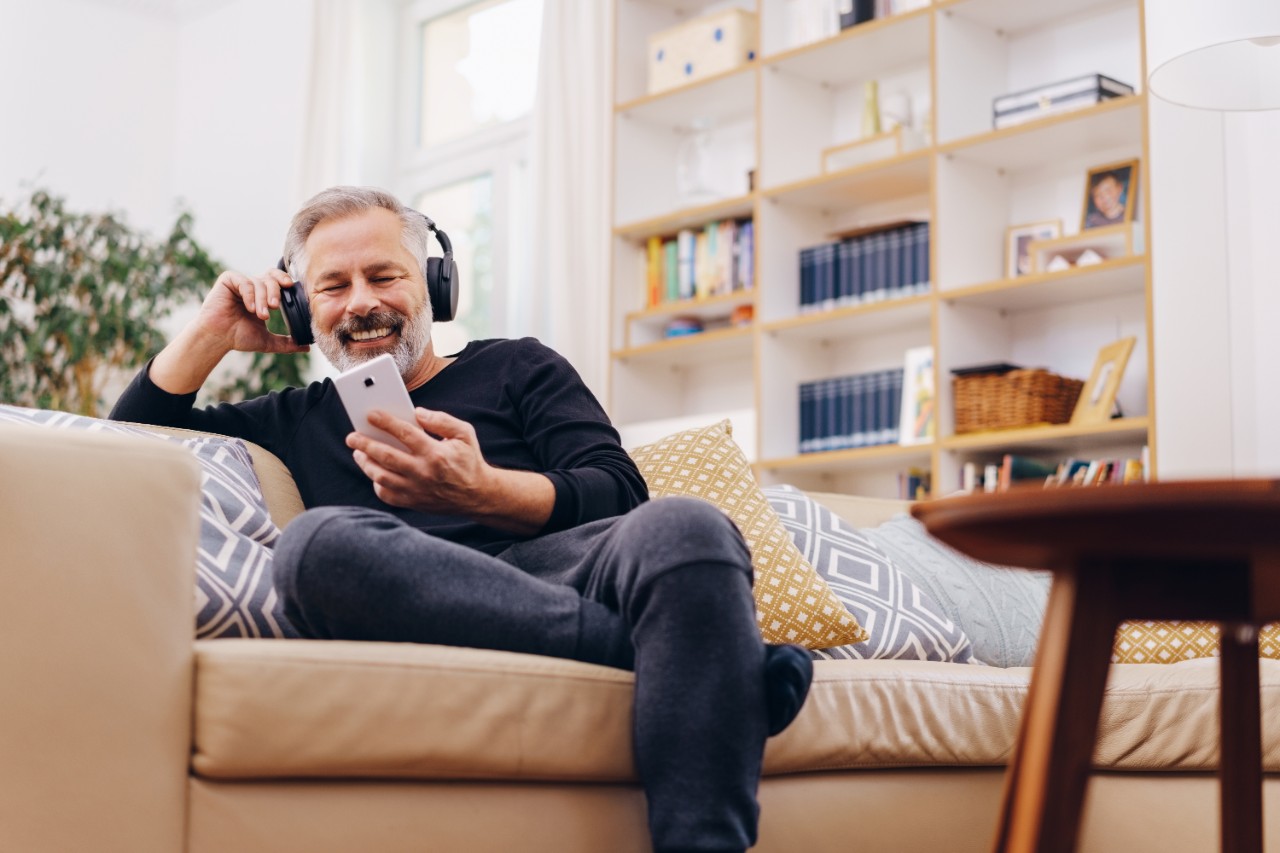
1017,245
1098,397
1110,194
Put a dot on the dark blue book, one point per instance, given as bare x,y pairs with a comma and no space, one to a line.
922,257
894,282
806,417
806,278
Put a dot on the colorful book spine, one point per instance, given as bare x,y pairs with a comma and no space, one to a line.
654,272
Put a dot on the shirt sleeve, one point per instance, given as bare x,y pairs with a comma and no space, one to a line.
570,433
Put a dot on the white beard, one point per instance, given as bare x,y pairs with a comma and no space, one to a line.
414,336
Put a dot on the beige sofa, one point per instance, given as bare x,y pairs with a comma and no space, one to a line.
118,732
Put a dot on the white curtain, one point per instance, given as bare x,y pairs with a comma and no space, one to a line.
572,123
347,137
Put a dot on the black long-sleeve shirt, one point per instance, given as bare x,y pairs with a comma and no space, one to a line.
530,409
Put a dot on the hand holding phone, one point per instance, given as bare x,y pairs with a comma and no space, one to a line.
375,384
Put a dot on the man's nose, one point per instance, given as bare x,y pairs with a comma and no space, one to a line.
364,297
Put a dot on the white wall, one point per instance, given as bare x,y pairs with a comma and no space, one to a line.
1216,202
140,105
89,106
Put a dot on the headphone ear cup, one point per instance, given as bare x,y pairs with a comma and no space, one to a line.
296,312
442,288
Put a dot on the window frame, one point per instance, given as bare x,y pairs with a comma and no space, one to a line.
504,151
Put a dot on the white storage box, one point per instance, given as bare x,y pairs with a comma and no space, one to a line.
700,48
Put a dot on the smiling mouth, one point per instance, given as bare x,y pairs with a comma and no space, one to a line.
371,334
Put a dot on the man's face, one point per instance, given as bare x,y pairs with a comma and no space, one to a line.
366,292
1106,197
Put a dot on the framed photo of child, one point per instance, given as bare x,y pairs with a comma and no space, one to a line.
1110,195
1017,243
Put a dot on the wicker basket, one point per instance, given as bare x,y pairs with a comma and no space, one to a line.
1013,399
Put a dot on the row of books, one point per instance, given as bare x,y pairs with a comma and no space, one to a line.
886,264
713,260
914,484
850,411
1015,470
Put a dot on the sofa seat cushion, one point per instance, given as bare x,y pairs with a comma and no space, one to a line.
314,709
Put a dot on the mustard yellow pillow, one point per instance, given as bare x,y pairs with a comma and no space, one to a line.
793,602
1170,642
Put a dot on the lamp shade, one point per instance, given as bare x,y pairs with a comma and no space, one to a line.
1215,54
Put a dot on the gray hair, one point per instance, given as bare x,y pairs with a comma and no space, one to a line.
341,202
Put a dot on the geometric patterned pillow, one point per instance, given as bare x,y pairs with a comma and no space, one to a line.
905,623
234,594
793,603
1170,642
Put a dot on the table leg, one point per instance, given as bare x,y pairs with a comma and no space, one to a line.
1241,760
1045,786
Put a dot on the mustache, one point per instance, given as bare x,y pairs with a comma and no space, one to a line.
376,320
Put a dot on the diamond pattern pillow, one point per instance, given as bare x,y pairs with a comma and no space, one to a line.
1170,642
904,621
234,594
793,603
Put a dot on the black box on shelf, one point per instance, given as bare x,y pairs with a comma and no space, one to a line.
1053,98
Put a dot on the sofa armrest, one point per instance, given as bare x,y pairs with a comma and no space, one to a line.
97,567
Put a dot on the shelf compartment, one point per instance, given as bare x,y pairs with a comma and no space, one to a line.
1062,438
833,461
1014,17
854,321
740,207
712,306
1114,277
885,180
722,99
715,345
1116,123
862,52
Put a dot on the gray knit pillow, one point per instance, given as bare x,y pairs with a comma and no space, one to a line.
1000,609
234,594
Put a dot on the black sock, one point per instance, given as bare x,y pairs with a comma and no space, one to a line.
788,671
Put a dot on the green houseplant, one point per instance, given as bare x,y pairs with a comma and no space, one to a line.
81,299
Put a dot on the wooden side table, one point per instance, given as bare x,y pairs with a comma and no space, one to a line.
1206,550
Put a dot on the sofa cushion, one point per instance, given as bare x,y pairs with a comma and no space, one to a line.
793,602
233,588
1150,641
999,609
332,709
903,620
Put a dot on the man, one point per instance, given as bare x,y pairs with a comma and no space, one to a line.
515,521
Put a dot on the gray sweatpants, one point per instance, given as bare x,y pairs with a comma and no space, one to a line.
664,590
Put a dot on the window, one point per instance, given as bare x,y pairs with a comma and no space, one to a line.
465,151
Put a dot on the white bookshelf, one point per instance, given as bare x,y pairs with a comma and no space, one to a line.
775,116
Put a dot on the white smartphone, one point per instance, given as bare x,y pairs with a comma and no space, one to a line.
375,384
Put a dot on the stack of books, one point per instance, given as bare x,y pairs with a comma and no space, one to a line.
713,260
1016,470
887,264
850,411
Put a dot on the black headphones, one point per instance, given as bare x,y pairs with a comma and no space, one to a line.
442,289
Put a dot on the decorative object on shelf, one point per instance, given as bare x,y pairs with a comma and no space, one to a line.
854,12
1018,258
895,111
1085,247
1002,396
1215,56
706,46
918,418
1110,195
1099,396
679,327
742,315
870,109
1053,98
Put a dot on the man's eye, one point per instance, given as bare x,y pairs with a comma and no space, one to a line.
331,288
383,279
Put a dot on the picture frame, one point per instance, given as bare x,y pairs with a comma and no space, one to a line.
1098,397
918,420
1018,260
1110,194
